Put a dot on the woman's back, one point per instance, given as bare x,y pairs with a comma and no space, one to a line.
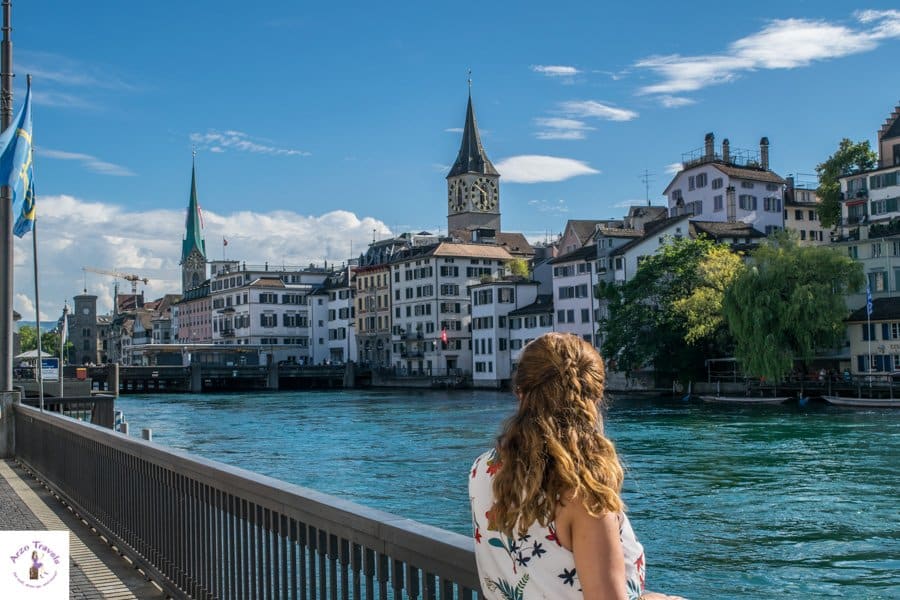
536,564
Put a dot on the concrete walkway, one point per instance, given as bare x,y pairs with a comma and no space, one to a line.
96,569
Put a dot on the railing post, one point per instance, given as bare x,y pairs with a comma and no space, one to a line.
7,425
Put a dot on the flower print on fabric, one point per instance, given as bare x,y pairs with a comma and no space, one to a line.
534,565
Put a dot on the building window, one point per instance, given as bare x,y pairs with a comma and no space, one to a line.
877,281
717,183
717,202
772,204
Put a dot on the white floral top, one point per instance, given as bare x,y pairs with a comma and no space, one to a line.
535,565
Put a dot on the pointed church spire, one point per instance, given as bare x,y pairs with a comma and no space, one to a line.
471,157
193,233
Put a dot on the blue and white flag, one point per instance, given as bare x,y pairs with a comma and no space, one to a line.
16,164
868,300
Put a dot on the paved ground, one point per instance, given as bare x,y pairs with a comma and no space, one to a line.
96,570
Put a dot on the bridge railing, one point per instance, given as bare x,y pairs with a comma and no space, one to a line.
203,529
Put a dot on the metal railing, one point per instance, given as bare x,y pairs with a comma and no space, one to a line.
203,529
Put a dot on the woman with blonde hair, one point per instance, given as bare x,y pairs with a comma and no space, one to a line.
546,508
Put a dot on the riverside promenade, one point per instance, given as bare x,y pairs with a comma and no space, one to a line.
96,570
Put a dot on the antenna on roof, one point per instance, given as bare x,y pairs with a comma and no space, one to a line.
646,178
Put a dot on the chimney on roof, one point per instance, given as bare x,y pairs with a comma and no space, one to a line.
730,207
709,145
764,153
726,150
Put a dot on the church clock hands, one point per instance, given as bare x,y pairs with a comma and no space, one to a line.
488,197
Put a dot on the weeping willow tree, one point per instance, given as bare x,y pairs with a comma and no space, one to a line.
787,303
669,314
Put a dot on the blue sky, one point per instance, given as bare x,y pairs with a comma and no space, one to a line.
317,123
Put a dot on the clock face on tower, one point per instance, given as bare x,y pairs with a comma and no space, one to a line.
194,261
485,194
456,196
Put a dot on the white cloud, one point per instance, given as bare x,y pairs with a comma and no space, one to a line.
673,168
454,130
675,101
782,44
25,306
554,128
629,203
59,69
555,70
555,207
75,233
222,141
92,163
591,108
539,169
62,100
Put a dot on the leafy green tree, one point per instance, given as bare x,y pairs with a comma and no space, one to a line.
657,317
50,343
27,338
701,310
519,267
850,158
49,340
788,303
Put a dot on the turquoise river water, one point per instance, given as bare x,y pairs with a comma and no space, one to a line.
729,502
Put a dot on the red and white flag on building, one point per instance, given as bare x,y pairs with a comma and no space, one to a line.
444,335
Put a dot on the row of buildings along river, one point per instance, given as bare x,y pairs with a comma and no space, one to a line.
422,303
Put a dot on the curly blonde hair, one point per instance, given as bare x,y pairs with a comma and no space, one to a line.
554,444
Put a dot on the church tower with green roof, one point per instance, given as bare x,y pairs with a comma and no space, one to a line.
193,247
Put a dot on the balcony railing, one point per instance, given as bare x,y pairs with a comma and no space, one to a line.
208,530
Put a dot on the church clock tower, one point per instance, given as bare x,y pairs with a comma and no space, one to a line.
193,247
473,184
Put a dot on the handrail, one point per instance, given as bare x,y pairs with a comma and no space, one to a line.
211,530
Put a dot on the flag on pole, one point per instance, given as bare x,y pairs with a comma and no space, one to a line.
868,300
25,221
224,242
64,330
443,335
16,160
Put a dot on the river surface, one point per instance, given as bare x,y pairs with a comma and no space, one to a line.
729,502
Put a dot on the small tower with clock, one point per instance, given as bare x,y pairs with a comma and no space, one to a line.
193,247
473,184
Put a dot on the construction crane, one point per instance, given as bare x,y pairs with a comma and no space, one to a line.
134,279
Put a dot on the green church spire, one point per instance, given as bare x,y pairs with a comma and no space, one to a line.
193,232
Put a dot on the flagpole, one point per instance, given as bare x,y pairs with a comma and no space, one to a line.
6,216
39,373
869,308
63,334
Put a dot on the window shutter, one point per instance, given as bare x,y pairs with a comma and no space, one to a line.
885,332
865,333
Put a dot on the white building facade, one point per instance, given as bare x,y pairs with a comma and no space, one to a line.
574,280
728,186
492,302
264,308
431,309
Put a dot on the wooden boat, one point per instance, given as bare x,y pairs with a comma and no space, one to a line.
746,399
863,402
